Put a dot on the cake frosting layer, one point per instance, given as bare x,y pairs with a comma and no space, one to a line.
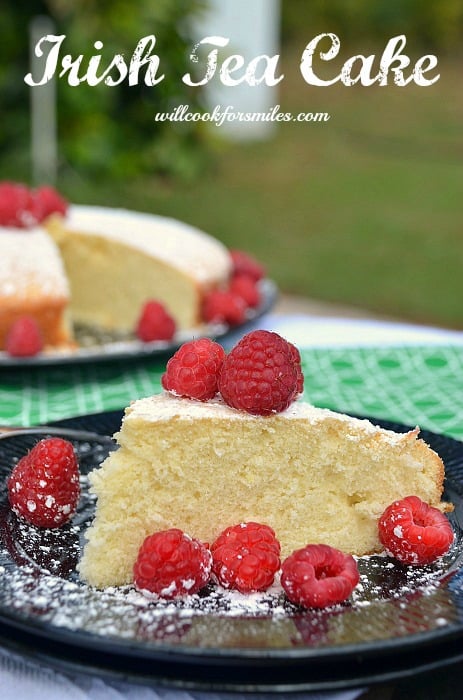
176,243
30,263
312,474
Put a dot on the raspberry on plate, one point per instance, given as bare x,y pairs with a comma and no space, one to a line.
24,338
155,323
44,487
414,532
223,306
246,557
245,264
318,576
172,564
246,287
194,369
261,374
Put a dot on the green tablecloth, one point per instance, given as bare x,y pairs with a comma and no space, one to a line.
413,385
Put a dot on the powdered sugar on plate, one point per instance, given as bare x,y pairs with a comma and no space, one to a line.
39,585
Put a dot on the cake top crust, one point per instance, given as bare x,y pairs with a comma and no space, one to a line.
30,264
165,406
183,246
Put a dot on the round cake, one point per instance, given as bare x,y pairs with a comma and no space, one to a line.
98,266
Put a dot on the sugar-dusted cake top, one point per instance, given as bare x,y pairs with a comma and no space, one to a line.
165,406
176,243
30,263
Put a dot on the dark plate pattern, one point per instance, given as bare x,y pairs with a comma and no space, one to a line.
399,621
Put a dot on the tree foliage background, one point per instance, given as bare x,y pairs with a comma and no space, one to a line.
111,132
102,130
436,25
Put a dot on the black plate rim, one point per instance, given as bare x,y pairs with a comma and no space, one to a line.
136,349
233,658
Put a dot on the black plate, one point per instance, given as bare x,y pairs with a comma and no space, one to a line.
95,345
399,622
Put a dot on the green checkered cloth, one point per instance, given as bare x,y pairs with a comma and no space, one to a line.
412,385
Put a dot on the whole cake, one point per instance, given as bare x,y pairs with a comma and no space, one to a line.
309,473
33,282
117,259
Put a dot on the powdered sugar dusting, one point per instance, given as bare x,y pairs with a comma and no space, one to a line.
30,263
39,582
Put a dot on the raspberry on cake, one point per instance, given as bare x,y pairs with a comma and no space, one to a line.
261,374
193,371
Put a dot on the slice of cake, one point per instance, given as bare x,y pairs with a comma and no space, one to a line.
117,259
313,475
33,283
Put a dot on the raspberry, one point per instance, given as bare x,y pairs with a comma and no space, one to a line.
24,338
223,306
44,487
16,205
414,532
245,264
246,288
155,323
172,564
46,201
296,358
260,374
194,369
246,557
317,576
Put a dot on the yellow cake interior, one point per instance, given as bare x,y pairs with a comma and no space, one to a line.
311,474
117,260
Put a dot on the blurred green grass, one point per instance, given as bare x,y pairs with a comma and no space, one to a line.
365,209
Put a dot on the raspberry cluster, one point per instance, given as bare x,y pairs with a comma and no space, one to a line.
231,304
22,207
261,375
227,305
245,558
